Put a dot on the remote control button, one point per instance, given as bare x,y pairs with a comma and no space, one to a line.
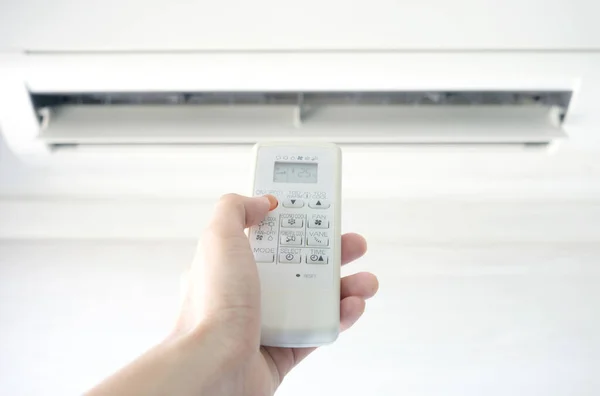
289,258
267,224
261,238
293,203
263,257
292,222
318,223
317,259
290,240
319,204
318,241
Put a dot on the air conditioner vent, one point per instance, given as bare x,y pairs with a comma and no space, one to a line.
409,98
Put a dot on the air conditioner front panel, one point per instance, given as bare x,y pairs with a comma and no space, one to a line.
240,98
274,25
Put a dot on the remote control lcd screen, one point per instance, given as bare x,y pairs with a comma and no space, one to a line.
294,172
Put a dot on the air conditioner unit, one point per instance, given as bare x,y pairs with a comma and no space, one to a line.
63,92
74,102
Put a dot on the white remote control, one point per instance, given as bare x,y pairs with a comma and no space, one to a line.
297,247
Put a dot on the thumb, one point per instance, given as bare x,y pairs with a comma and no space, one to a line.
229,276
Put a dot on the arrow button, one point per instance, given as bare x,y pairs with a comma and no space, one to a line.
293,203
319,204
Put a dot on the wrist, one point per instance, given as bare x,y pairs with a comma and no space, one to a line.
197,359
207,356
177,366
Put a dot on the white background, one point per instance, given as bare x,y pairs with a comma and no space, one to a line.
490,319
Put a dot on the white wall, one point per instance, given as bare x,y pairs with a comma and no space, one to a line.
451,319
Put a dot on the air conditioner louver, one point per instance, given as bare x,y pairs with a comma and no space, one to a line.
412,118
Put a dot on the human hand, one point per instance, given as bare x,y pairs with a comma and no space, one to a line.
215,346
223,298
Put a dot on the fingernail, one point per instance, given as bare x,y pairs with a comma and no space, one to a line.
272,201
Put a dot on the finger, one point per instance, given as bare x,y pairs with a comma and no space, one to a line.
233,213
228,272
363,284
351,309
354,246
